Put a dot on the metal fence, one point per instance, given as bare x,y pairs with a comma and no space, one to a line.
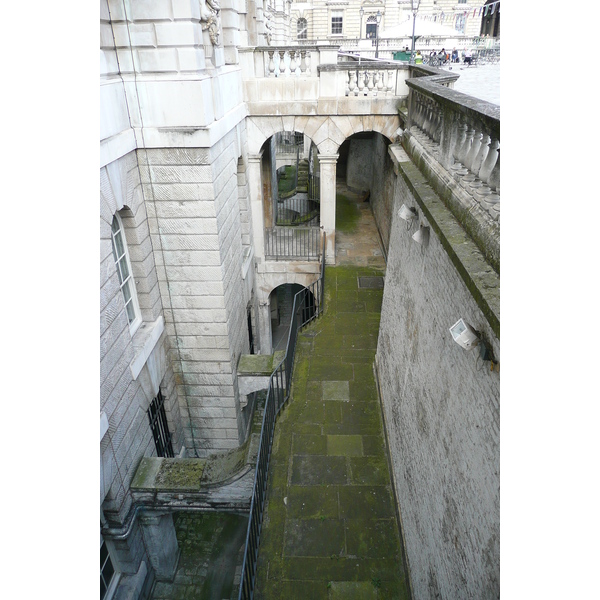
308,305
288,243
297,210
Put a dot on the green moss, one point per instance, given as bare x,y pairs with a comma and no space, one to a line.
346,214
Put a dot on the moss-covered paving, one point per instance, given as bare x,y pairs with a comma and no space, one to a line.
212,546
330,529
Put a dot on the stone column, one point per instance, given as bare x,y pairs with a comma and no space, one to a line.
256,202
161,542
327,165
265,335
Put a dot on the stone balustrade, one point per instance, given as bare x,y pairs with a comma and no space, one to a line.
371,80
350,77
305,74
457,137
285,61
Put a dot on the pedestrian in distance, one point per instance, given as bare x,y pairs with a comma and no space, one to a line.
468,57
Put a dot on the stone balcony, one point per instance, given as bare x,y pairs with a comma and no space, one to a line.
313,80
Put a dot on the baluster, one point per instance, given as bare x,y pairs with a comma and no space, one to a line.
375,86
307,71
439,121
380,85
461,128
490,161
369,81
271,64
361,82
432,119
494,179
489,195
293,64
303,61
281,62
391,80
460,169
352,90
420,115
475,182
473,151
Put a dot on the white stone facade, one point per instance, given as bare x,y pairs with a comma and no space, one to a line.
319,14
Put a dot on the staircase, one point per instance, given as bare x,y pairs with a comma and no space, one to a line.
302,176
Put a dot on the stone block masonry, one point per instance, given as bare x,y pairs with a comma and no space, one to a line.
195,223
125,395
441,406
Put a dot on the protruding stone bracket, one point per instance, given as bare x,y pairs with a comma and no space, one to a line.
255,370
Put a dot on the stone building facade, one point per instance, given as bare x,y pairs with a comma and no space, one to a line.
187,115
337,21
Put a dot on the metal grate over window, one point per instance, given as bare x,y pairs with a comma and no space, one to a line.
160,427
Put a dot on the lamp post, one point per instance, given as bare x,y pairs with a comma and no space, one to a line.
414,4
378,19
362,12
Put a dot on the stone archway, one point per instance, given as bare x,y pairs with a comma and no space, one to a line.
328,132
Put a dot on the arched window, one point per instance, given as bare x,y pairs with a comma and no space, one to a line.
371,27
302,28
126,283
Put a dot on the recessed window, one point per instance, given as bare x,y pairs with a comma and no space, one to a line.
302,29
126,283
160,427
107,570
371,28
337,22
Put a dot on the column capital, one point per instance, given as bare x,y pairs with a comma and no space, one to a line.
328,158
255,157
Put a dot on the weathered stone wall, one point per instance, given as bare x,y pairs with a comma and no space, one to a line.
132,365
197,232
382,188
441,407
360,164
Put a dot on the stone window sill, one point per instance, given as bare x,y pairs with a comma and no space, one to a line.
144,341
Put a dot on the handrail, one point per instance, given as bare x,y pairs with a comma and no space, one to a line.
308,305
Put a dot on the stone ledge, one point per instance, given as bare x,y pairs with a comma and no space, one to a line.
477,273
144,341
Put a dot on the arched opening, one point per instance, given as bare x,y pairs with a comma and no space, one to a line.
291,196
281,304
371,30
365,184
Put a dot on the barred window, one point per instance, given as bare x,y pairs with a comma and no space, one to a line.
160,427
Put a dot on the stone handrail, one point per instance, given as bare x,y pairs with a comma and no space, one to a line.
456,138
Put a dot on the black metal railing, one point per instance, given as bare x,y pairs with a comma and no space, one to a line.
314,187
297,210
308,305
289,243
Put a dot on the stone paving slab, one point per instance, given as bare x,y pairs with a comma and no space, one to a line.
330,528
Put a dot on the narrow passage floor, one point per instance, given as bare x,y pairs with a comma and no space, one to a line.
330,529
